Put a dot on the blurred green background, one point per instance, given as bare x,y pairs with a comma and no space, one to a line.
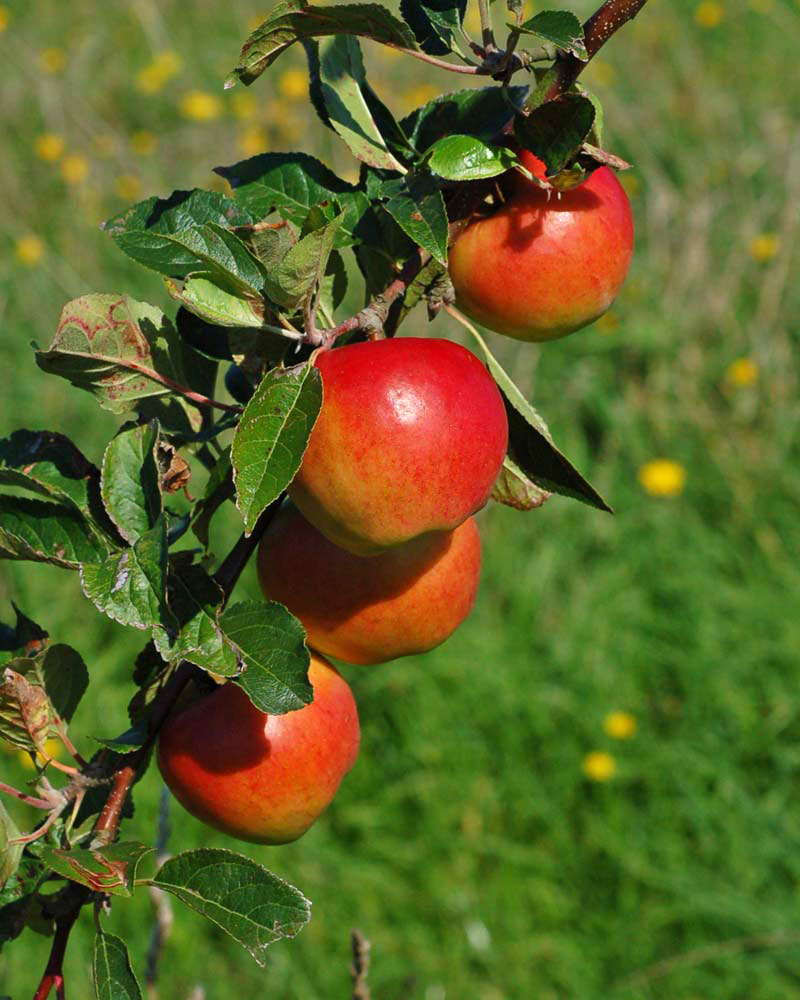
591,791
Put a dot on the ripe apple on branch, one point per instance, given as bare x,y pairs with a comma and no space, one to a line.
496,202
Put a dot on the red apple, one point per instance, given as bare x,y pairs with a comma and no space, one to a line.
546,263
367,609
263,778
410,439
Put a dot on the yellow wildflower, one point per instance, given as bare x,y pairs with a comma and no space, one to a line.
49,147
293,85
29,250
128,186
200,106
253,141
5,17
599,766
52,60
169,62
74,168
144,143
160,71
709,14
52,749
244,105
743,371
662,477
764,246
620,725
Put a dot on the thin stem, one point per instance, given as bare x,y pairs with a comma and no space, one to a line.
195,397
40,831
487,34
372,317
62,732
441,63
65,768
231,568
27,799
597,30
291,334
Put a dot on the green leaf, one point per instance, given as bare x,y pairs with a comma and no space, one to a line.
46,532
114,347
109,869
26,715
292,20
64,676
556,130
183,210
298,275
557,27
596,134
272,645
207,339
207,300
219,488
431,284
481,113
272,437
418,208
530,446
132,739
435,23
131,481
114,979
36,691
186,233
194,600
130,587
206,251
248,902
10,854
514,489
465,158
341,79
20,906
49,464
290,184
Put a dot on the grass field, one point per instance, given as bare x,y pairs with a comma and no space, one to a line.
481,843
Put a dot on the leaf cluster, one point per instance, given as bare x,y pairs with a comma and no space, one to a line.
260,277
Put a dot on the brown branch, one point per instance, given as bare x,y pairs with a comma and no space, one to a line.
54,970
597,30
231,568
